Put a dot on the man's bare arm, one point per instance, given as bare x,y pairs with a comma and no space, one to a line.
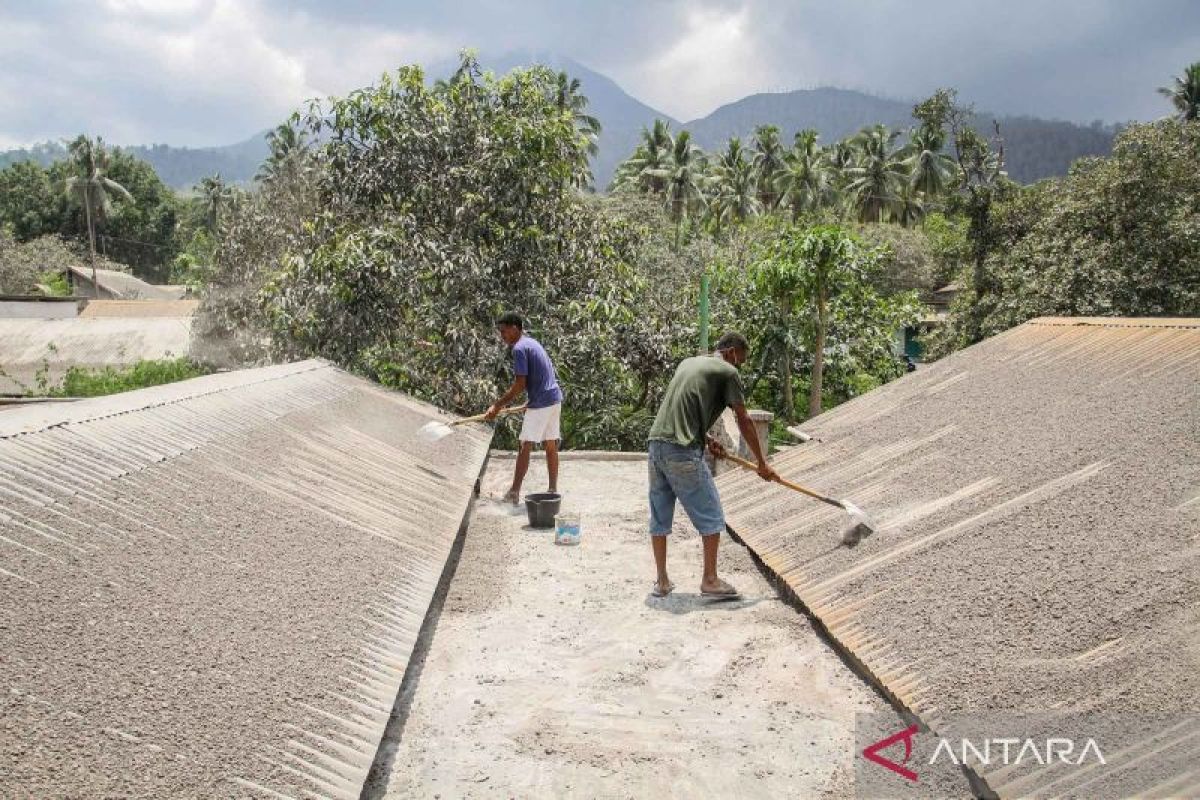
750,436
518,386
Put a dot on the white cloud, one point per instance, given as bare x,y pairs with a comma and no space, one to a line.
715,60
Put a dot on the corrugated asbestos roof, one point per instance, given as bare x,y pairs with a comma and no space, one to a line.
213,588
28,344
1039,502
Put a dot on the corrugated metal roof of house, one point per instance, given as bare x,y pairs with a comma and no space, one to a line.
1038,497
212,588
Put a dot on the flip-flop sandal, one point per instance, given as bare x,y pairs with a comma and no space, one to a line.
658,591
726,592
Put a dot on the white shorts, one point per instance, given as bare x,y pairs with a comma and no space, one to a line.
541,424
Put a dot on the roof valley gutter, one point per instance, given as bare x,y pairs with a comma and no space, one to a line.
379,775
787,594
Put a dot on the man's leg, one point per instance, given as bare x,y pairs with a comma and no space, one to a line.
514,494
659,545
710,582
662,512
551,446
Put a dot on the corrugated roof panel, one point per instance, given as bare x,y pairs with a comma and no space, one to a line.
213,588
1038,497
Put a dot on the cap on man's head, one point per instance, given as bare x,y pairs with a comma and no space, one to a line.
511,319
733,341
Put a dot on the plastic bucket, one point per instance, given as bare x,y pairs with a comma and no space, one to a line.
541,508
567,529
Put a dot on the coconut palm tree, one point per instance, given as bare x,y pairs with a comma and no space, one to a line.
733,187
684,178
908,209
929,169
877,173
214,196
569,100
804,183
652,155
768,164
1184,94
288,157
91,187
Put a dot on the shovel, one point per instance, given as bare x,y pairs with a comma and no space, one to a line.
437,430
861,524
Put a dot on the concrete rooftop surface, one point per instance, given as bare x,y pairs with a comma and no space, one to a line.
212,588
1038,497
553,672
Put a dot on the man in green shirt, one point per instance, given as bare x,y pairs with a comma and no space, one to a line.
702,388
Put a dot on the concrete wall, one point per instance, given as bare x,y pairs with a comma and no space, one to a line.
17,308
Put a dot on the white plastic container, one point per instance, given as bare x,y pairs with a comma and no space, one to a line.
567,529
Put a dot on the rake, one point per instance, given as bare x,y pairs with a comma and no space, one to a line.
861,524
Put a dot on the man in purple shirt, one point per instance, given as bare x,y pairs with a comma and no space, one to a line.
533,374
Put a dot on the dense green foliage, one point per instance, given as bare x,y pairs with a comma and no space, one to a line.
26,266
81,382
136,225
1119,236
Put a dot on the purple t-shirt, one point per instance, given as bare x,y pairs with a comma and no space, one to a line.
530,360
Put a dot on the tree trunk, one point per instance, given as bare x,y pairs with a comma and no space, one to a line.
785,367
87,210
818,372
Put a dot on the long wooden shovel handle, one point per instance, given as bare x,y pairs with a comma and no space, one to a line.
479,417
784,482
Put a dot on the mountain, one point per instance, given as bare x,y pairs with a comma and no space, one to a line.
178,167
1034,148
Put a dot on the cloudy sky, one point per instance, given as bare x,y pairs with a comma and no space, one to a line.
200,72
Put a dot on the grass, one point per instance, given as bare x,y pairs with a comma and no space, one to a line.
80,382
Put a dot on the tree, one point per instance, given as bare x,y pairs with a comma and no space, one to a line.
768,164
214,197
812,291
734,187
929,169
876,174
1184,93
804,182
981,181
30,205
441,206
1119,236
684,180
570,101
650,160
91,187
289,153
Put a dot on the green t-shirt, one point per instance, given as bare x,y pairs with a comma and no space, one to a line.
702,388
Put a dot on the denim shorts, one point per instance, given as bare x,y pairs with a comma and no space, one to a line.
678,472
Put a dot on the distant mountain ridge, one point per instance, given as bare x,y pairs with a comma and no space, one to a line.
1034,148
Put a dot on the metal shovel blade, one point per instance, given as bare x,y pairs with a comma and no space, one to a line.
434,431
861,525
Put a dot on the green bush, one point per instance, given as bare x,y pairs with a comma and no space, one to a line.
81,382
